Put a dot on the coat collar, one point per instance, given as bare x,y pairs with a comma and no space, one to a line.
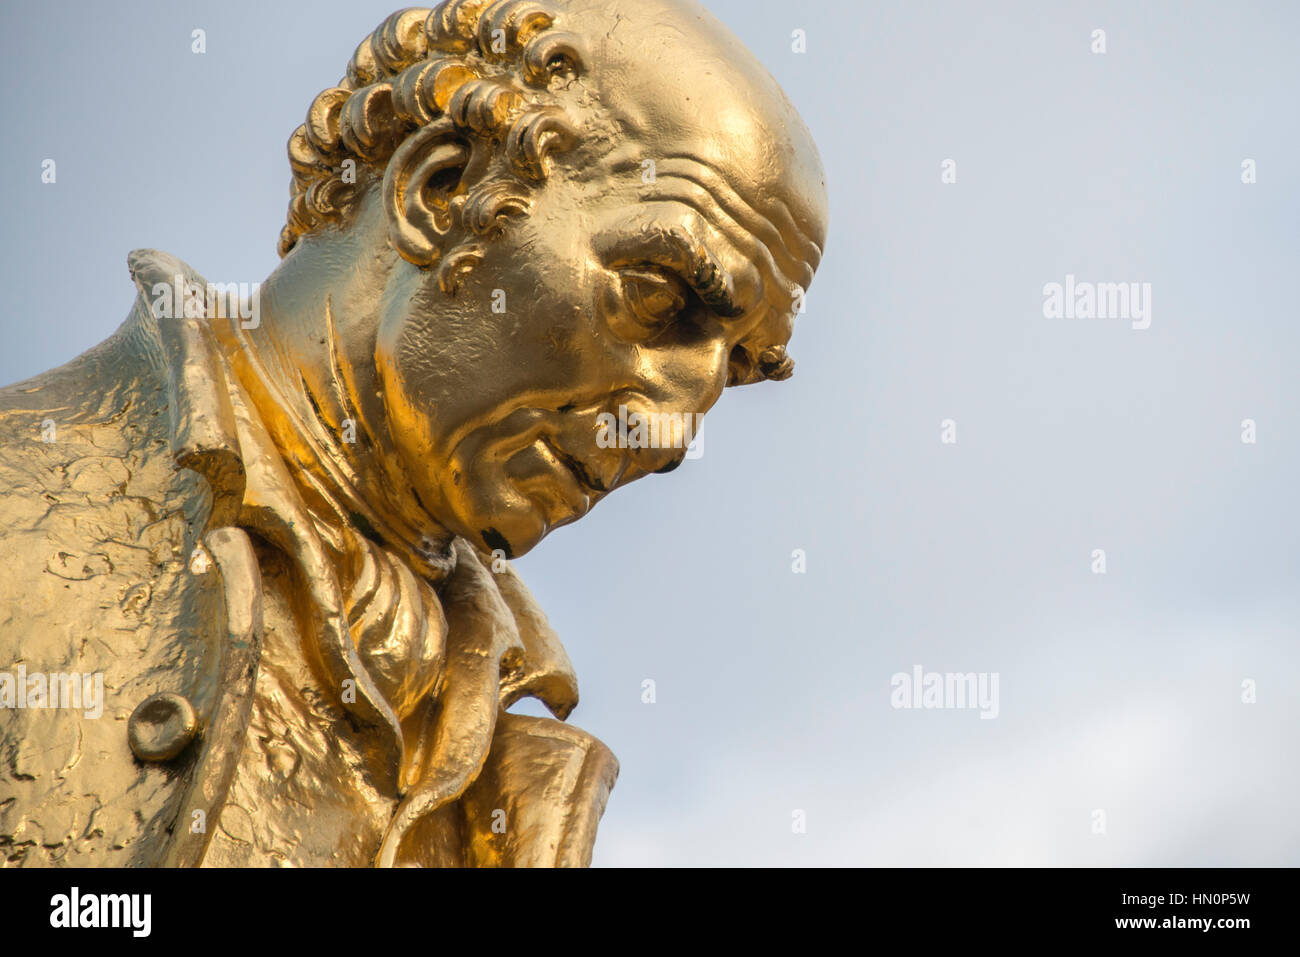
433,754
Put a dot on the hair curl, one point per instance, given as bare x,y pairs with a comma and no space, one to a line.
423,93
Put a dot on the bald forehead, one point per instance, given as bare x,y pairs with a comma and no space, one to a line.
686,90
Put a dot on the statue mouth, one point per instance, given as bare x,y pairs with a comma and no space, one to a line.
547,458
581,473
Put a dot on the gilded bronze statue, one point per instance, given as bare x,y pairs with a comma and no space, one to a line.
270,532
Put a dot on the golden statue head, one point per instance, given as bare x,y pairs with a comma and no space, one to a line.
513,217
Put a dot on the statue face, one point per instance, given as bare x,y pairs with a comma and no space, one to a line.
660,258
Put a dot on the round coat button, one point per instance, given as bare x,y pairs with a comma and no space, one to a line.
161,726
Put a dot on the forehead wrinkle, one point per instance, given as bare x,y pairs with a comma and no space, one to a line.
687,166
710,185
752,251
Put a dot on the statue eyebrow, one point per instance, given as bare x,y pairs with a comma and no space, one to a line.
674,187
678,250
720,198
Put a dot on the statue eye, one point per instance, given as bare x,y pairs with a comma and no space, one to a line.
655,297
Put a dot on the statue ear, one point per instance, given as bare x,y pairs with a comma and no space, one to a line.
421,177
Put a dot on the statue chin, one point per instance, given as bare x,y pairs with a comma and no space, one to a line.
524,510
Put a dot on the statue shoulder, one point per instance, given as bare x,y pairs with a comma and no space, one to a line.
99,607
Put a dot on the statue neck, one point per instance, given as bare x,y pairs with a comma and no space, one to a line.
308,395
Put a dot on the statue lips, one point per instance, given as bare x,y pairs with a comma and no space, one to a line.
550,457
588,479
569,435
572,440
560,480
588,476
